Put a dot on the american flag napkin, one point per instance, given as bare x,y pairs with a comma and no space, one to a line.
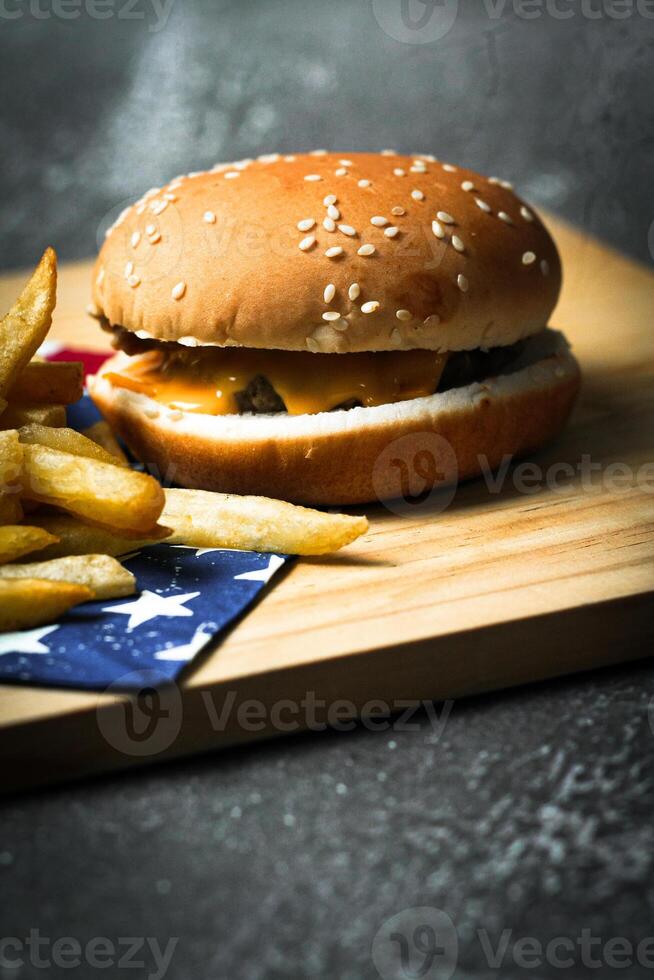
186,598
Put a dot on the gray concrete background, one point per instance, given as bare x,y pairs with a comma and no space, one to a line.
531,811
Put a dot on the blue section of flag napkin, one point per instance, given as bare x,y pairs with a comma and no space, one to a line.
185,598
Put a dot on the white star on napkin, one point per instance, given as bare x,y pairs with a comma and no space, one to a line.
26,641
186,651
149,606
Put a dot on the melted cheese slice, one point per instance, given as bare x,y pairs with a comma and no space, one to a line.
208,382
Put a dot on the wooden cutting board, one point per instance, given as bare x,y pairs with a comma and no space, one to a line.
500,589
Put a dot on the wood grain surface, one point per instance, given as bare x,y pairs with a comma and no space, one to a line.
499,589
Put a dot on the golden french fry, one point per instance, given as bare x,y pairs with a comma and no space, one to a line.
16,416
32,602
216,520
21,539
65,440
104,576
11,467
101,493
24,328
49,383
76,538
103,436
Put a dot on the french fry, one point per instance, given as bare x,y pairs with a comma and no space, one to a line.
100,493
49,383
101,434
29,602
24,328
216,520
104,576
16,416
11,466
65,440
21,539
76,538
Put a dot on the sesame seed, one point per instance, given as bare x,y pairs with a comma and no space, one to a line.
158,207
482,204
329,224
397,210
545,267
345,163
135,239
366,250
333,212
329,199
432,321
526,214
445,217
209,217
354,291
334,252
503,216
403,315
399,172
306,224
378,221
129,269
312,177
418,170
318,153
457,243
331,315
170,197
269,157
154,237
100,278
391,231
133,281
313,345
347,230
289,158
417,195
140,208
467,185
340,172
437,229
307,243
528,258
506,184
493,180
396,336
462,283
389,153
178,290
231,174
340,324
371,307
363,183
449,167
329,293
150,229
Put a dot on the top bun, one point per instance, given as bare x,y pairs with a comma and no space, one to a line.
330,252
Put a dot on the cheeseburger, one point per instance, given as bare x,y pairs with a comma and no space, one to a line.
281,322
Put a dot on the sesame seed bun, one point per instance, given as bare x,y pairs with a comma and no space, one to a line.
343,456
330,252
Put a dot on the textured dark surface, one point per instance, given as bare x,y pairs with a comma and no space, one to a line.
530,811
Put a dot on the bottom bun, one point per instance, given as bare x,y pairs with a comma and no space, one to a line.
358,455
